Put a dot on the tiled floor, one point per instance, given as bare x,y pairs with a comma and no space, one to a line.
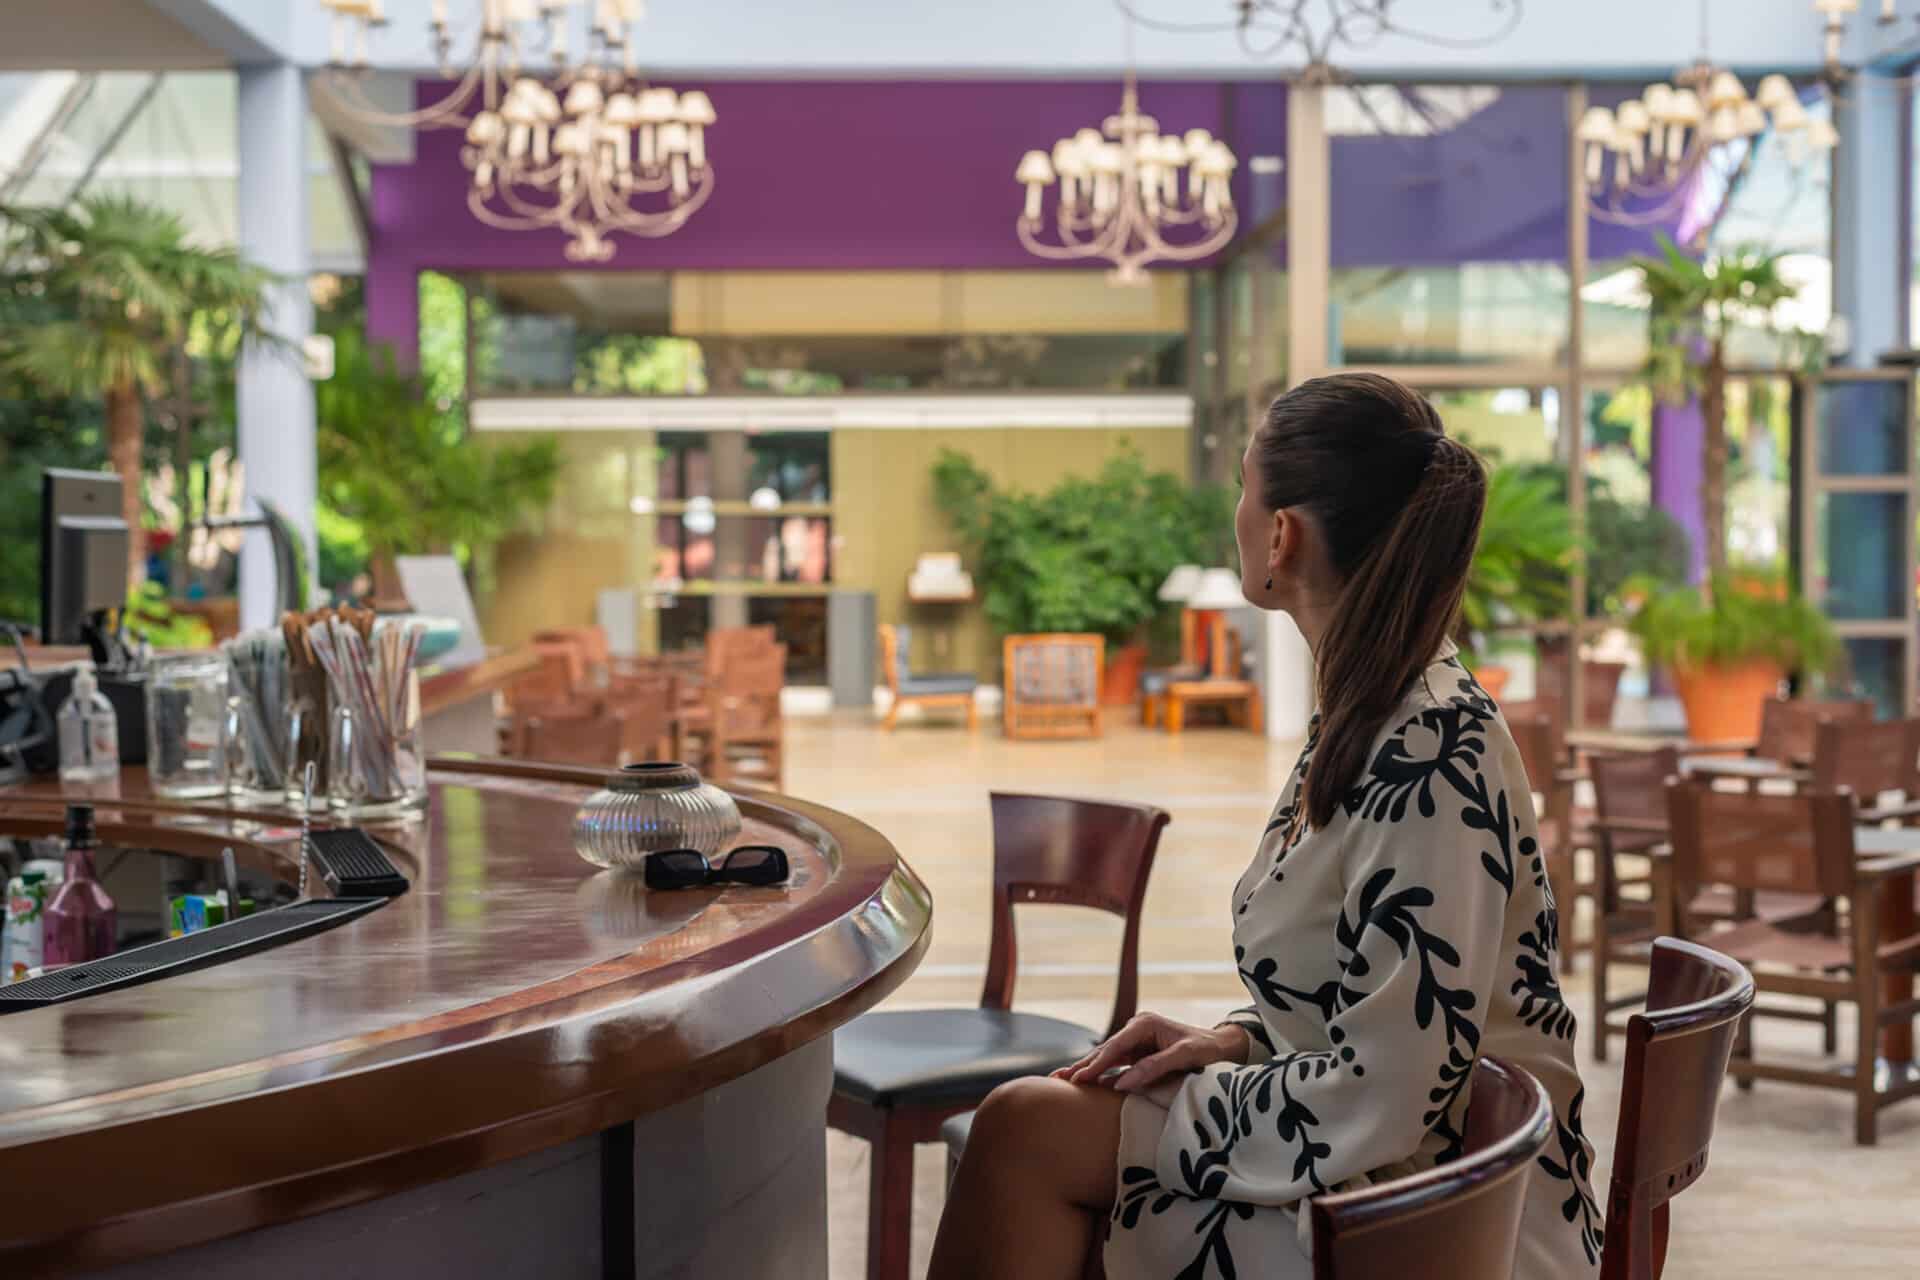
1787,1193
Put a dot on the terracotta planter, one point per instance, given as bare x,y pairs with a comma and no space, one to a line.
1723,703
1493,679
1121,684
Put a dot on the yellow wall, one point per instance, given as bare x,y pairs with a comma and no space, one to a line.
589,539
883,518
884,515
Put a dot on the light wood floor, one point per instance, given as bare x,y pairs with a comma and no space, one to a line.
1787,1193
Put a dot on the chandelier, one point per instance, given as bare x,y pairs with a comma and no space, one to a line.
592,151
1129,194
1270,28
1643,158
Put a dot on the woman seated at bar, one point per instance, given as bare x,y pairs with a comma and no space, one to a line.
1394,925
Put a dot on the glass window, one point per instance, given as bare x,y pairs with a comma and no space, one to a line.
1863,428
1873,662
1449,224
1863,559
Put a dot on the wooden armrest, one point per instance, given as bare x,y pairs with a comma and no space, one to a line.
1871,872
1630,826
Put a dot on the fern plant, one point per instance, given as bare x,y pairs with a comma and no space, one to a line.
1521,565
1736,618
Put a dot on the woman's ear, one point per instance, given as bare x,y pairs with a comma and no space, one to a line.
1283,544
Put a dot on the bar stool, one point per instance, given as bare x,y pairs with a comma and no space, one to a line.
897,1076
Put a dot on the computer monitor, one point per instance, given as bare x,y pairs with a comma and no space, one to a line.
85,551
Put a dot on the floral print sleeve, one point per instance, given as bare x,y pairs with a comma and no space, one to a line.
1383,954
1418,942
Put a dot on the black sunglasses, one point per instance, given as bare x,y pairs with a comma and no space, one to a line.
757,864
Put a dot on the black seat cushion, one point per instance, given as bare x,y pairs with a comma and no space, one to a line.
928,1056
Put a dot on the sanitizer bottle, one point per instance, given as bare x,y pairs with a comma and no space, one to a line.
89,734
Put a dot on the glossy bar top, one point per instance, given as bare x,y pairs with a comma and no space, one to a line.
515,998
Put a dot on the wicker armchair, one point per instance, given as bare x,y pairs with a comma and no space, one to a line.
1053,686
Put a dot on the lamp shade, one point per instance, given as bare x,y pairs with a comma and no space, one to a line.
1218,589
1180,583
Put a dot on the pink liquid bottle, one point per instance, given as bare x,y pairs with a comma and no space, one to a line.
81,920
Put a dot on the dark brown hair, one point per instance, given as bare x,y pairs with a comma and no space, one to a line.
1399,504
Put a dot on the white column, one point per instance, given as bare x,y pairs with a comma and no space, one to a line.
276,414
1289,663
1867,282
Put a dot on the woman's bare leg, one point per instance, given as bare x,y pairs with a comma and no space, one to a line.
1037,1177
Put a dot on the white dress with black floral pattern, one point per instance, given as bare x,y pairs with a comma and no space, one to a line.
1384,954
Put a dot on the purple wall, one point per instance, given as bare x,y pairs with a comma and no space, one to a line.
1679,469
919,174
832,175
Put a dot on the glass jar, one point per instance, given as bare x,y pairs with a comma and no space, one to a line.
187,726
647,808
377,769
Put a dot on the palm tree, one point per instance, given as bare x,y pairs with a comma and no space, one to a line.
95,299
1695,307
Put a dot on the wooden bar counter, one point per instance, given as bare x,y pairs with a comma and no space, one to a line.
521,1067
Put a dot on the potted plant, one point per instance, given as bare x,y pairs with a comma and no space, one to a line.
1087,556
1695,307
100,295
1519,573
1729,644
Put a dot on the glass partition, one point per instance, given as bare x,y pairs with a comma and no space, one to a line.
1448,224
813,333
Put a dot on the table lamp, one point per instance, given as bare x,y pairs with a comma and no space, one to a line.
1178,589
1217,591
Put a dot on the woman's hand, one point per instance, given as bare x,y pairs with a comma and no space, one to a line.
1151,1047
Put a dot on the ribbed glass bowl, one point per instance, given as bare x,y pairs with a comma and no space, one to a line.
645,808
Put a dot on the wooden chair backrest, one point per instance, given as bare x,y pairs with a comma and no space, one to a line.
558,677
1676,1060
726,644
1868,759
1085,853
591,641
1536,732
1632,786
1457,1221
647,704
1801,843
746,695
1787,724
589,739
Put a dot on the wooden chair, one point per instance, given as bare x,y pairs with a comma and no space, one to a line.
950,689
647,704
1539,733
1457,1221
1788,725
898,1076
1872,761
557,680
596,738
1677,1054
1052,685
596,658
1630,795
1804,843
746,725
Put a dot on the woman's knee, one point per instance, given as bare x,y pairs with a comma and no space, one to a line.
1066,1135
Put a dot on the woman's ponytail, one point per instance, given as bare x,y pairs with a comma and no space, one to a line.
1400,503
